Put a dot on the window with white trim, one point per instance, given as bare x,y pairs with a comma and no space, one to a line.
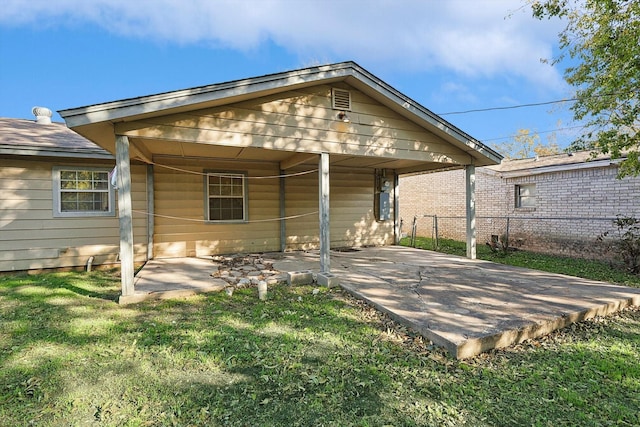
82,191
226,197
526,196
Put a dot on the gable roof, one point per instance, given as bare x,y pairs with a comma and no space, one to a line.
28,138
240,90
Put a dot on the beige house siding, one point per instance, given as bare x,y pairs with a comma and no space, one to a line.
31,238
295,121
353,221
302,199
573,206
299,121
180,229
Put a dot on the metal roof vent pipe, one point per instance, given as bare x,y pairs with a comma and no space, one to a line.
43,115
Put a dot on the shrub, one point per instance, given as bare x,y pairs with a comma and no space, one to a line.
499,244
625,241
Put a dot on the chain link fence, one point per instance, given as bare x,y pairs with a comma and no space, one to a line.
567,236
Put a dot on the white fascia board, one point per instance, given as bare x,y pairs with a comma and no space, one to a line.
118,110
253,87
425,114
34,151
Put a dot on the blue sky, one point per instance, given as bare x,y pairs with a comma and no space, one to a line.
449,56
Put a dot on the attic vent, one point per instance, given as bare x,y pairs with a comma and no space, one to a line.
341,99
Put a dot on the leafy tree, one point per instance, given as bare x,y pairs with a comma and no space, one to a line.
603,37
526,144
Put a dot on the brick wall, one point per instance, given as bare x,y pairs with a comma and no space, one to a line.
441,194
590,194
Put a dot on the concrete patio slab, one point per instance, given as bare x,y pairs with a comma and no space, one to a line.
173,278
466,306
470,306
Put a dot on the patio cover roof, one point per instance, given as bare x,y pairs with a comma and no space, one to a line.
97,122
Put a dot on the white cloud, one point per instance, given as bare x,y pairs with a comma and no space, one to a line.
471,38
457,90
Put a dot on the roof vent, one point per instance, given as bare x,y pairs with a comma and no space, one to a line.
43,115
341,99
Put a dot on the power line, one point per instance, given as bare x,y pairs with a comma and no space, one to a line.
232,176
533,104
535,132
512,107
182,218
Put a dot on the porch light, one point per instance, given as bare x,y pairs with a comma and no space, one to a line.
342,116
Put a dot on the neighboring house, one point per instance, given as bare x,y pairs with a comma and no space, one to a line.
56,207
556,204
295,160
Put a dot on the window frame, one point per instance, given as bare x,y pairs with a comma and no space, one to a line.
245,196
519,196
58,190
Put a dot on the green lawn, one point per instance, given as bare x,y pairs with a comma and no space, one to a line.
70,356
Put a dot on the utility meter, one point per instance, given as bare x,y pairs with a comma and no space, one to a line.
383,197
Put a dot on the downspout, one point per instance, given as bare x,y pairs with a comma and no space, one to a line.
90,264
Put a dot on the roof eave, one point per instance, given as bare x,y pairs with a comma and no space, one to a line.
228,92
224,93
601,163
408,106
35,151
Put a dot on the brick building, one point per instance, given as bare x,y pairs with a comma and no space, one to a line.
555,204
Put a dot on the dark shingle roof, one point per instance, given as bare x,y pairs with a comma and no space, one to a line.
28,138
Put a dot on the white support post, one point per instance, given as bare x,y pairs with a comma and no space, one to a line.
396,209
150,212
470,202
323,191
283,213
125,214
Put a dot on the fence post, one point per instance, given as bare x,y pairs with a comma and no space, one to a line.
435,227
413,232
507,235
